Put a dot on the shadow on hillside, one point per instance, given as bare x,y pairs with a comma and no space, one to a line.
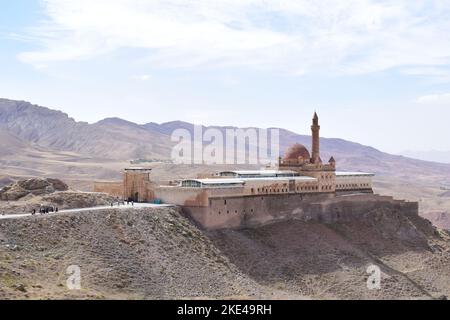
286,251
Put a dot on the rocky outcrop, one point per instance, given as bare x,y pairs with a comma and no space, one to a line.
74,200
62,200
34,186
25,195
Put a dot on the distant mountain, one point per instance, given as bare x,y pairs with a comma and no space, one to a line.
110,138
431,155
10,144
24,125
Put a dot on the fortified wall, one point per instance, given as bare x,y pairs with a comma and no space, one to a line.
252,211
114,189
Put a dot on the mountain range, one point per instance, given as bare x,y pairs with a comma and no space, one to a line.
29,129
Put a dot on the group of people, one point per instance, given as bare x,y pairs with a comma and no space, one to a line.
44,210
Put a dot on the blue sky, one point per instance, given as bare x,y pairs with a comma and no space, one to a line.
377,72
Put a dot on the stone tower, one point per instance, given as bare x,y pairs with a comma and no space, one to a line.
137,185
315,128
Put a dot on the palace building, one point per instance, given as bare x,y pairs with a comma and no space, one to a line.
300,184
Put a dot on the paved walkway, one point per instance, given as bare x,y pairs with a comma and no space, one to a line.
125,206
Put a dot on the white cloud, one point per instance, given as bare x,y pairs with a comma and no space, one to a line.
440,74
142,77
435,99
329,36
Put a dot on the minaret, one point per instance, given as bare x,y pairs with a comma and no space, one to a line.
315,128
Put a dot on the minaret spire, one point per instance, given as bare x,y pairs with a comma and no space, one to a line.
315,128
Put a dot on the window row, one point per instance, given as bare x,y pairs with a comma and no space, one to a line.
234,211
353,185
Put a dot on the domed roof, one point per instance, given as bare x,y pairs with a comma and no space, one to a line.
296,151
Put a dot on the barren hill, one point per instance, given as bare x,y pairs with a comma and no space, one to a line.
156,253
141,253
55,130
12,144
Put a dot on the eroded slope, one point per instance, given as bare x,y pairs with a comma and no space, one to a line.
155,253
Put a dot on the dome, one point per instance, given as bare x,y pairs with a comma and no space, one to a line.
296,151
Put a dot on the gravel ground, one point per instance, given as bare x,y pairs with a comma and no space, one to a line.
155,253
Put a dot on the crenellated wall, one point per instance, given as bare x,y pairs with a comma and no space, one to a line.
353,182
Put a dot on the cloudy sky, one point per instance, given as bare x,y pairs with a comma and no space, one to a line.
377,72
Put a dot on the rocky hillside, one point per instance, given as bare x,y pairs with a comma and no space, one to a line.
329,261
25,195
155,253
61,200
31,187
13,145
55,130
147,253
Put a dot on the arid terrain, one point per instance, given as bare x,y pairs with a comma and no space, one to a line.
434,203
155,253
